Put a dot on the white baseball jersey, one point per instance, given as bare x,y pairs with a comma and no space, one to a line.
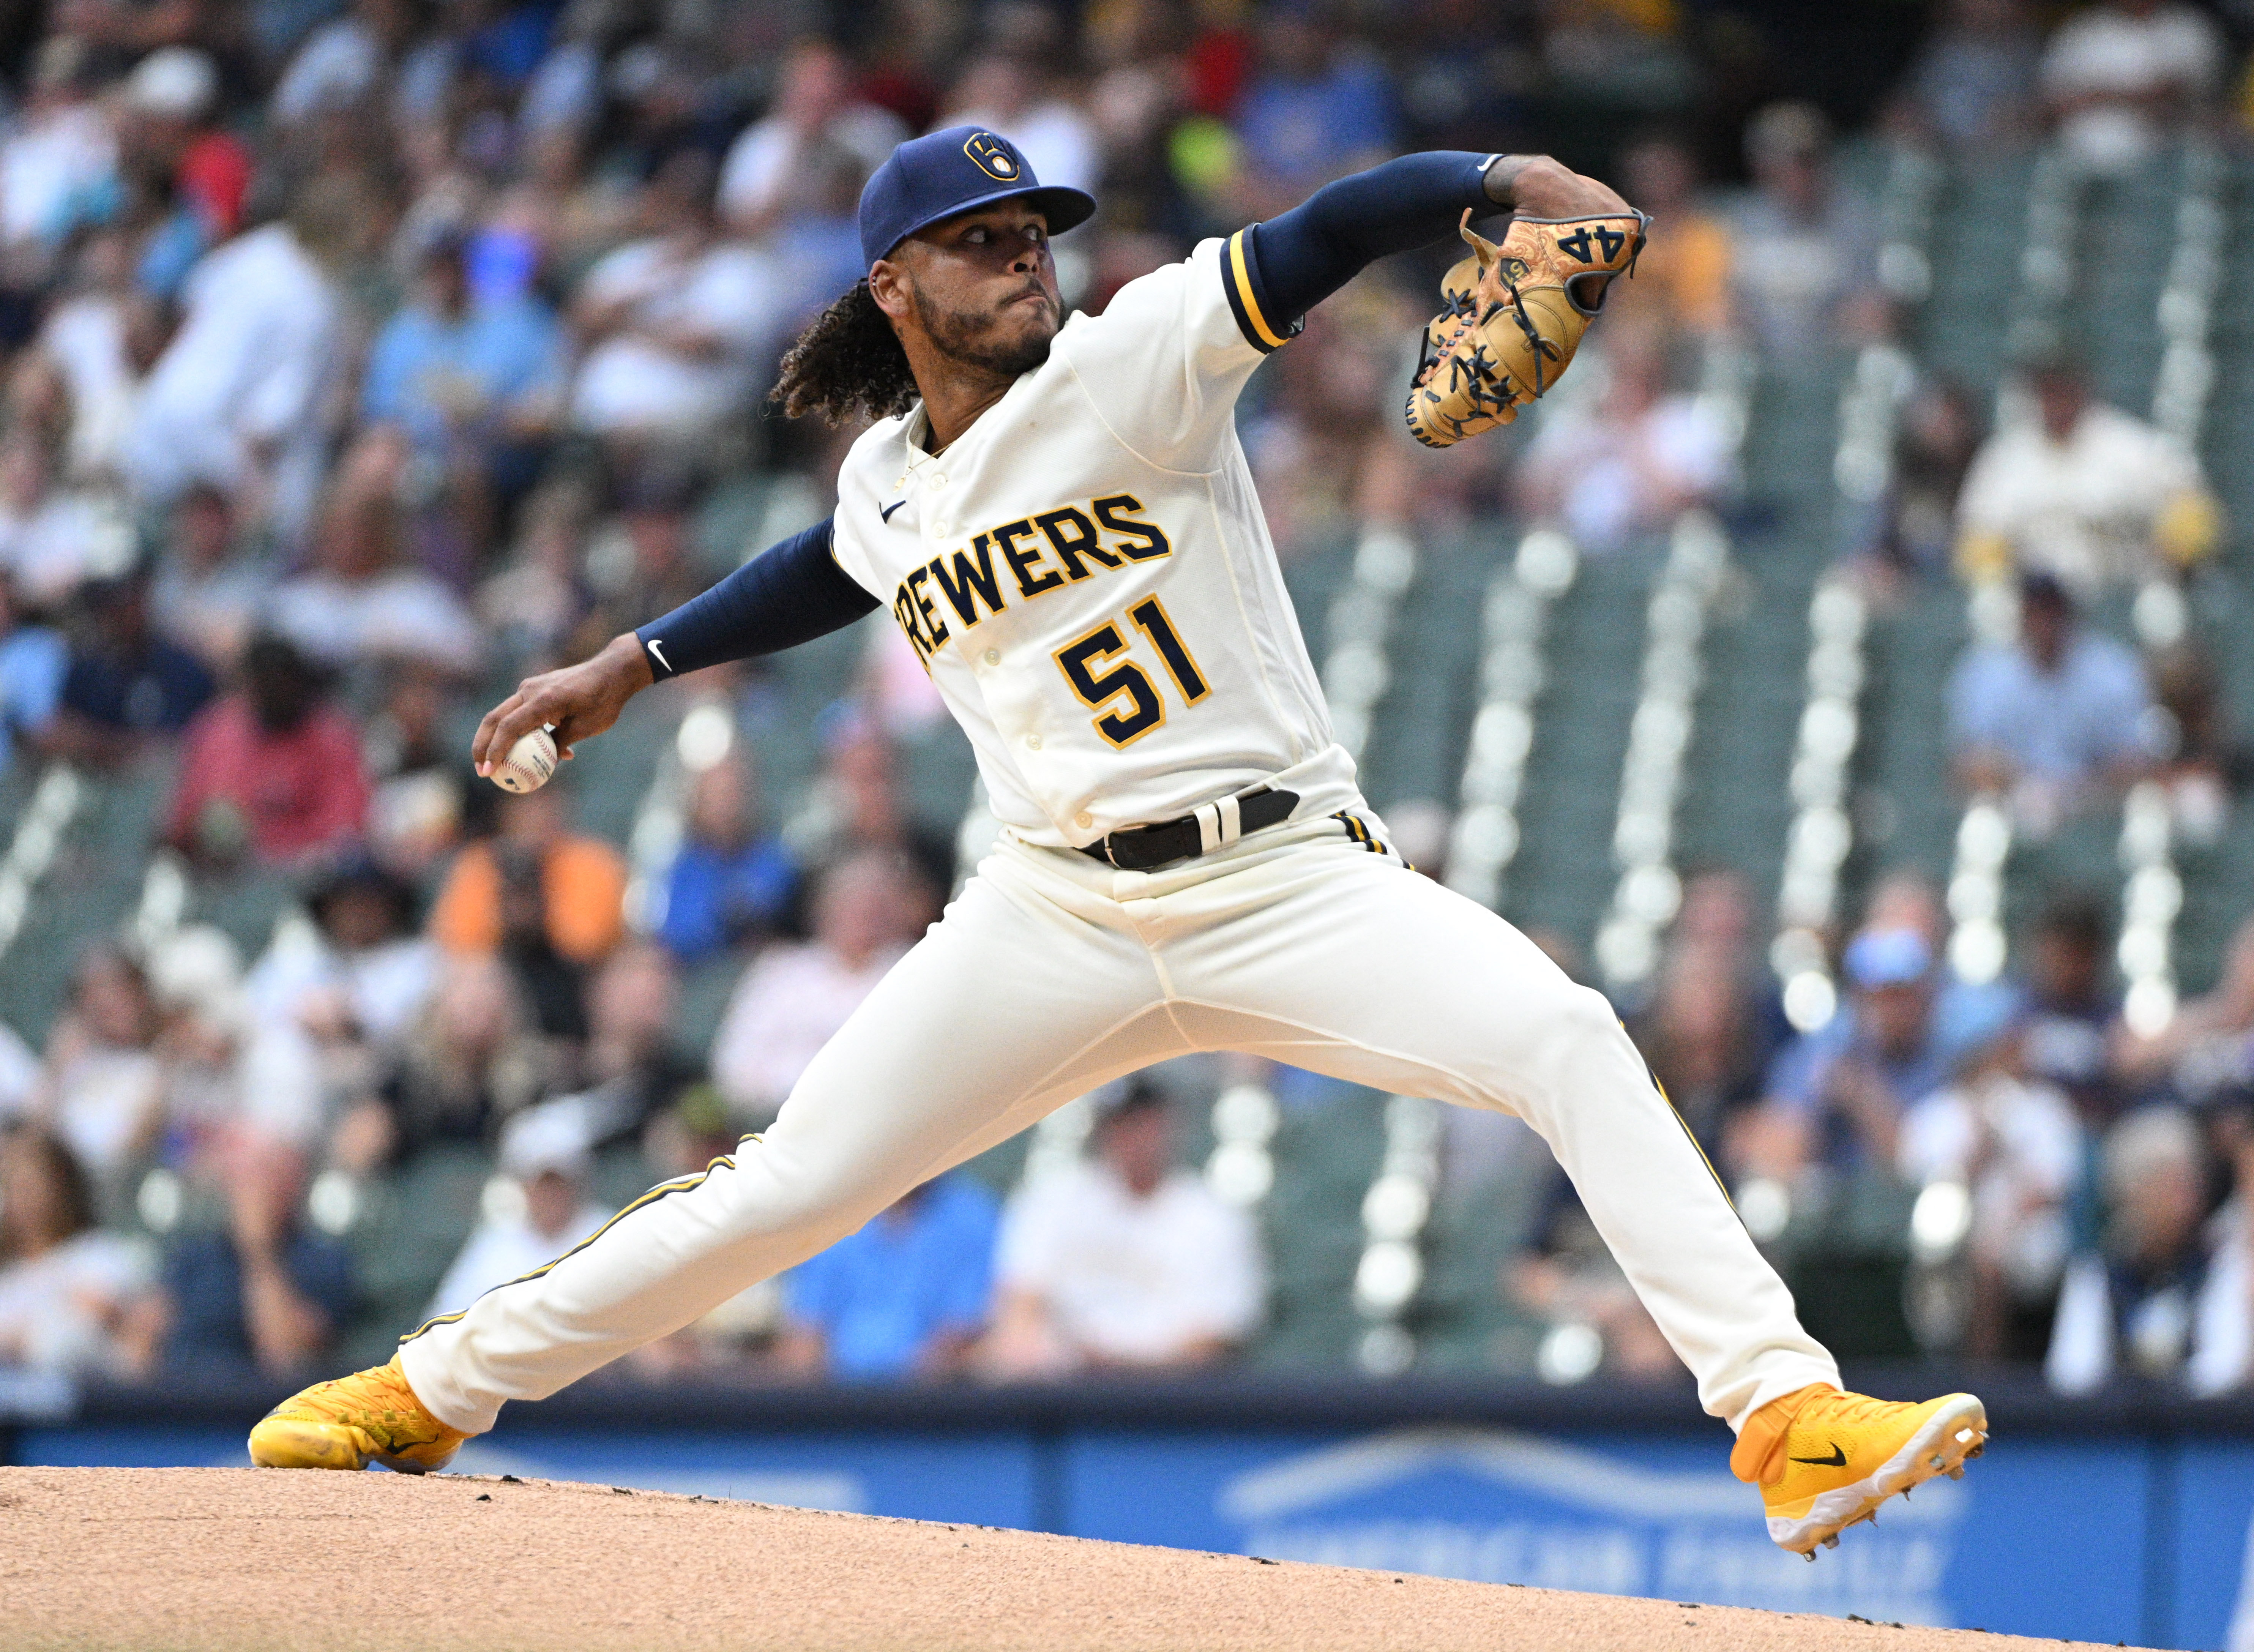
1087,575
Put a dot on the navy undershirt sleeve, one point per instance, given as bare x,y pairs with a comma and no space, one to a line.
1302,256
789,593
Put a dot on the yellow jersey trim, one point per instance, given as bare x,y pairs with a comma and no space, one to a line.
1242,277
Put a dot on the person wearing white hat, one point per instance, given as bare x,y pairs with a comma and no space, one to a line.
535,1210
175,83
171,99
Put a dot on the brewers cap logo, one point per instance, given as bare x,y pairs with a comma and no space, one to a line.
993,156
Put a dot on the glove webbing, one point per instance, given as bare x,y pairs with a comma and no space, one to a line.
1541,346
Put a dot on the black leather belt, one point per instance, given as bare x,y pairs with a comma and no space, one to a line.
1208,827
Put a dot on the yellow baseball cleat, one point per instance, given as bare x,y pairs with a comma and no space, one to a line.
371,1415
1825,1460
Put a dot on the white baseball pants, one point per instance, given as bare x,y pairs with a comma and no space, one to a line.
1053,973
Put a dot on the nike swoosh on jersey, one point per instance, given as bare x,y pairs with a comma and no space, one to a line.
885,511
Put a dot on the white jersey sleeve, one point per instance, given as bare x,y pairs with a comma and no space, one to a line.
1163,365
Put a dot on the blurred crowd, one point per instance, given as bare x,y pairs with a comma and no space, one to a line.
359,357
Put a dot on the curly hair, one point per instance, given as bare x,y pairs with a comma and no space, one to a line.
847,364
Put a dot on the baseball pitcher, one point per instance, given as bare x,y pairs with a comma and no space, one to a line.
1057,514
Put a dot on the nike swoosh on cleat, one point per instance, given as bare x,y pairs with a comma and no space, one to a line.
1837,1460
885,511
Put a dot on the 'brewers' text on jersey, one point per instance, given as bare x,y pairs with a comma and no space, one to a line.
1087,574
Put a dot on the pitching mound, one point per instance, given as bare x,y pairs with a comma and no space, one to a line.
186,1558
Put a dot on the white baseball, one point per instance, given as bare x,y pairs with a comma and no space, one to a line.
528,765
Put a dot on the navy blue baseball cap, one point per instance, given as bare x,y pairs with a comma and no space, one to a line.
956,171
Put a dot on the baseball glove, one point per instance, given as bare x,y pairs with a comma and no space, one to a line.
1515,316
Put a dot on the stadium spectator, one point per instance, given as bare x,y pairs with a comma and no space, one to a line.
580,883
906,1296
1619,468
2210,1032
53,539
1972,89
102,1089
2204,760
259,1291
363,602
2155,1293
1317,108
649,562
228,1074
1938,433
472,377
59,160
1009,90
170,135
793,998
100,338
672,323
543,1154
1705,1032
129,686
1324,448
341,64
1840,1092
531,608
1125,1259
67,1287
1625,57
2051,719
362,975
2121,75
208,589
1804,250
1454,99
565,93
2071,1006
461,1070
855,803
1682,276
2225,1360
1563,1276
2084,492
235,400
271,772
772,162
34,659
728,885
417,813
632,1069
2013,1142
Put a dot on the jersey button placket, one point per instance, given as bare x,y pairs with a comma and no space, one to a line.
1032,742
992,656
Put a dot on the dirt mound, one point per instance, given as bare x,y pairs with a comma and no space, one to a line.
240,1559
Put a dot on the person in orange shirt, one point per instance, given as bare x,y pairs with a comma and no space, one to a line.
1685,270
583,882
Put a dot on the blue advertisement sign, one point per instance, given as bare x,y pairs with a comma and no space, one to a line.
1637,1516
2212,1554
